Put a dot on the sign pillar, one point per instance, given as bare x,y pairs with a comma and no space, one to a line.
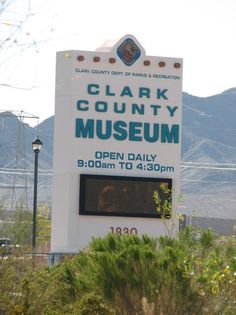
117,113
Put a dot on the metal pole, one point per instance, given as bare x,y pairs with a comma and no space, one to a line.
35,198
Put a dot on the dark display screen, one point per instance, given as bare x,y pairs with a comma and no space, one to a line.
122,196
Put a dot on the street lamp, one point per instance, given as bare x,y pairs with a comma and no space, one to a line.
36,145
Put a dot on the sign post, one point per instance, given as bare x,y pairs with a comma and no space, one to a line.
117,133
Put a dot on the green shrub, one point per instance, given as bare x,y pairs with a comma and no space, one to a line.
92,304
129,275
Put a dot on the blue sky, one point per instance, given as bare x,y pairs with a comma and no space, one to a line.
202,32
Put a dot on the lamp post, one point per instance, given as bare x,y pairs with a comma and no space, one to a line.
36,145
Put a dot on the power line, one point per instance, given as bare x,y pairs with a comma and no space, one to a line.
204,127
207,181
18,87
13,171
203,163
24,173
19,114
210,167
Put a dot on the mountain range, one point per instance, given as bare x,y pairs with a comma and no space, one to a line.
208,167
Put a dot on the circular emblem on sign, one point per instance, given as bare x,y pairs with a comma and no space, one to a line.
128,52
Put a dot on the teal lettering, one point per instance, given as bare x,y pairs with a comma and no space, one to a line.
143,91
79,105
84,131
108,92
121,110
135,131
120,128
138,109
155,133
126,92
169,136
104,134
93,89
155,109
161,94
101,106
172,110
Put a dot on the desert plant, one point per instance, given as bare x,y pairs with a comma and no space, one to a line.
194,273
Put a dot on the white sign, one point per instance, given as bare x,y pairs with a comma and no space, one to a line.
117,113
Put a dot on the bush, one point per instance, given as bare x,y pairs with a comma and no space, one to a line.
92,304
192,274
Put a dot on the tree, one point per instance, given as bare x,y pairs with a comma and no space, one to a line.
44,226
18,227
12,19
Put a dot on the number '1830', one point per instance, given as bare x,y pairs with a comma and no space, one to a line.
125,230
